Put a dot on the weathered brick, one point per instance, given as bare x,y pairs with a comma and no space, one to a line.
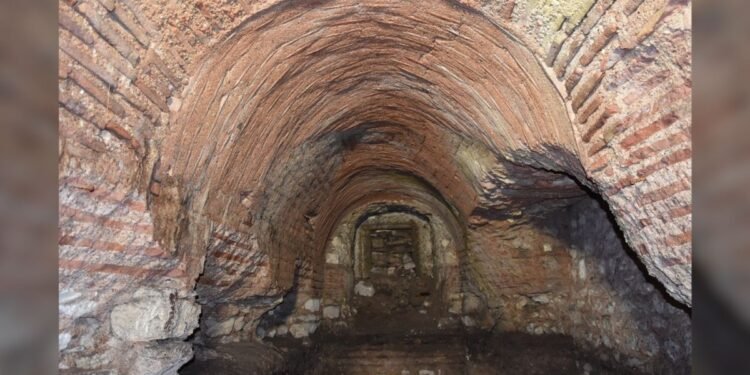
108,4
663,193
644,133
155,98
587,110
98,18
679,239
598,122
130,24
649,150
569,49
673,158
554,47
102,94
84,58
583,91
599,42
70,21
572,80
506,11
631,6
594,14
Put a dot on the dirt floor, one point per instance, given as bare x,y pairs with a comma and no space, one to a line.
479,354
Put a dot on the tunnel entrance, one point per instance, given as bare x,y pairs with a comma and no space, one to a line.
397,287
391,259
401,291
391,251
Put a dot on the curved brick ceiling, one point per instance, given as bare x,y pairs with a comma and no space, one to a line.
358,87
350,87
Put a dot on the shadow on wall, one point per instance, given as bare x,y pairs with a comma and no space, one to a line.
607,300
278,316
587,187
651,280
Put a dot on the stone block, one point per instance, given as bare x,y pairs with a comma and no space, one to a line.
300,330
63,339
332,258
468,321
472,303
154,315
364,289
541,299
331,312
74,304
282,330
313,304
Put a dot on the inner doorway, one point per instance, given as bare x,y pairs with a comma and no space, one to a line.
396,284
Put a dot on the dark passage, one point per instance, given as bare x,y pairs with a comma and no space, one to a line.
402,321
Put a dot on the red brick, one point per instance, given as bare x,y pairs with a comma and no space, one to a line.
600,41
679,212
584,89
587,110
98,20
609,111
663,193
69,20
84,59
645,152
679,239
674,158
101,94
155,98
644,133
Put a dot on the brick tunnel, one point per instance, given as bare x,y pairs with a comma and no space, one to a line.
375,187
